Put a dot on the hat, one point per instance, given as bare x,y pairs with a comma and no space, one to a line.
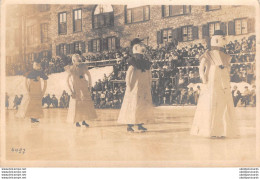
136,41
218,32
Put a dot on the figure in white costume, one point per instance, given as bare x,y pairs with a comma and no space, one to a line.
81,106
137,107
214,116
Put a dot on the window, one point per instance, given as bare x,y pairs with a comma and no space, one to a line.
62,23
77,46
31,35
213,26
77,20
111,43
167,35
212,8
240,26
187,33
44,32
96,45
31,57
45,54
137,14
65,49
62,49
175,10
103,16
43,7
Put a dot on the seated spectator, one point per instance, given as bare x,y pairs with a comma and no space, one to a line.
253,95
236,95
191,97
246,96
54,101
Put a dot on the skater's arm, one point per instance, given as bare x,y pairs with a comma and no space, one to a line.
68,83
128,79
26,85
89,79
203,70
44,87
150,78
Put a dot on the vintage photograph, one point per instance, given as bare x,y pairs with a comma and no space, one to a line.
129,85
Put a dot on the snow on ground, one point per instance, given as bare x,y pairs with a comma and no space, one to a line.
56,83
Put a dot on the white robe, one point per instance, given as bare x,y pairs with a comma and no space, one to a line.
82,107
215,115
137,105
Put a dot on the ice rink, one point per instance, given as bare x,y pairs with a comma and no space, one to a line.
167,139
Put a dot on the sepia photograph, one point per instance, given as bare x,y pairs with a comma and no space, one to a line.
129,84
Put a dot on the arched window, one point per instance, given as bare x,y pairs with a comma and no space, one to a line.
103,16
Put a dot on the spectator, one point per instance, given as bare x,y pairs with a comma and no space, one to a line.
236,95
246,96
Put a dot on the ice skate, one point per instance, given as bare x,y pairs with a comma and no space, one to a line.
130,129
78,125
141,128
85,124
33,120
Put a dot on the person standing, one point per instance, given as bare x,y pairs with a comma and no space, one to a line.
236,95
35,92
137,107
16,101
215,113
81,107
6,100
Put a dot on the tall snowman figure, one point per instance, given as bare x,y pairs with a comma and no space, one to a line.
137,107
215,113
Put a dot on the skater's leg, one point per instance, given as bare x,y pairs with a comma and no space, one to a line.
129,128
140,127
85,124
77,124
33,120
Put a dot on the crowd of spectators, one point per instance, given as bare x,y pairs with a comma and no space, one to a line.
173,68
48,101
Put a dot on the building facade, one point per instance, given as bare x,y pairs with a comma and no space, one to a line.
56,30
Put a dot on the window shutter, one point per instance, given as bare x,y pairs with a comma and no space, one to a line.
68,49
231,28
179,34
83,47
205,30
125,14
174,35
35,56
117,43
223,27
72,48
104,43
90,49
251,25
195,32
40,55
159,37
57,50
163,11
49,54
207,8
111,18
